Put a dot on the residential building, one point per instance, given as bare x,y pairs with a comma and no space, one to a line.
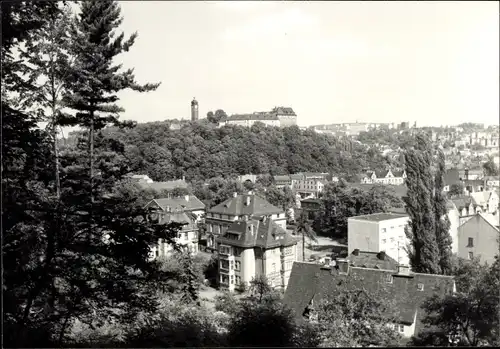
310,283
309,187
466,208
384,177
186,203
478,237
488,200
254,247
240,207
379,232
282,181
187,238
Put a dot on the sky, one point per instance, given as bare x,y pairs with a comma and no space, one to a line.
436,63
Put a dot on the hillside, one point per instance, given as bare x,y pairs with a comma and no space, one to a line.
200,150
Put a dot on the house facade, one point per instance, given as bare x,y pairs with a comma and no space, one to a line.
253,247
309,187
379,232
188,210
310,283
488,200
240,207
384,177
492,182
478,237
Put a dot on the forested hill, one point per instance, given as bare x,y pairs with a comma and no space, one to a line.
200,150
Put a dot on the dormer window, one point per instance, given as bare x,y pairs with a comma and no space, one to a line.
388,278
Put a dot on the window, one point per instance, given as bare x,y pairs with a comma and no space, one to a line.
232,279
384,230
388,278
384,241
237,265
231,265
471,255
274,267
401,328
238,280
224,264
420,287
471,242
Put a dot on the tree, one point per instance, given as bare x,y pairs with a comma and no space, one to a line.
490,168
442,222
95,80
456,189
352,316
305,229
469,317
48,53
423,250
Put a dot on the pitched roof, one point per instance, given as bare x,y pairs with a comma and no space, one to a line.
168,185
381,174
480,197
256,232
452,176
398,173
373,260
312,281
462,201
378,217
180,217
180,203
283,111
237,206
284,178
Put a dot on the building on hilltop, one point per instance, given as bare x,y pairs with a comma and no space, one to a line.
240,207
311,283
277,117
379,232
194,110
255,247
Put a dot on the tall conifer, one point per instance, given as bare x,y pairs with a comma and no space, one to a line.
423,249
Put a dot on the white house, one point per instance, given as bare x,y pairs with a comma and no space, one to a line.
379,232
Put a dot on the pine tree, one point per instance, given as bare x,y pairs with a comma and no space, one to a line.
442,222
423,249
96,79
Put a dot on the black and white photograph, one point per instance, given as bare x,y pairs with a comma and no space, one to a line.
191,174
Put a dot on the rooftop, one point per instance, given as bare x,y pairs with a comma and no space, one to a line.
379,217
246,204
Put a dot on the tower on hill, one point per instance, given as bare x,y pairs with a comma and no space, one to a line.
194,110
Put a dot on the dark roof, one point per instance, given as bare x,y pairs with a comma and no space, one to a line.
461,202
256,232
282,178
452,176
237,206
180,217
381,174
378,217
168,185
398,173
313,281
373,260
283,111
179,203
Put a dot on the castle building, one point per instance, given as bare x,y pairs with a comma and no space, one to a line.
278,117
194,110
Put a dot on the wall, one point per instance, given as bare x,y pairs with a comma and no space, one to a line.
248,268
362,235
273,256
394,233
485,239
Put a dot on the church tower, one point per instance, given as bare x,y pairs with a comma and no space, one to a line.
194,110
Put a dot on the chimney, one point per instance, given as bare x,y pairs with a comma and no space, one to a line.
183,178
235,194
466,174
186,197
403,269
343,266
381,255
356,252
247,200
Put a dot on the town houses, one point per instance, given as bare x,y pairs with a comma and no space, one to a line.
384,177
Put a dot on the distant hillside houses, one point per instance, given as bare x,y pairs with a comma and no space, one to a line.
278,117
147,183
384,177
